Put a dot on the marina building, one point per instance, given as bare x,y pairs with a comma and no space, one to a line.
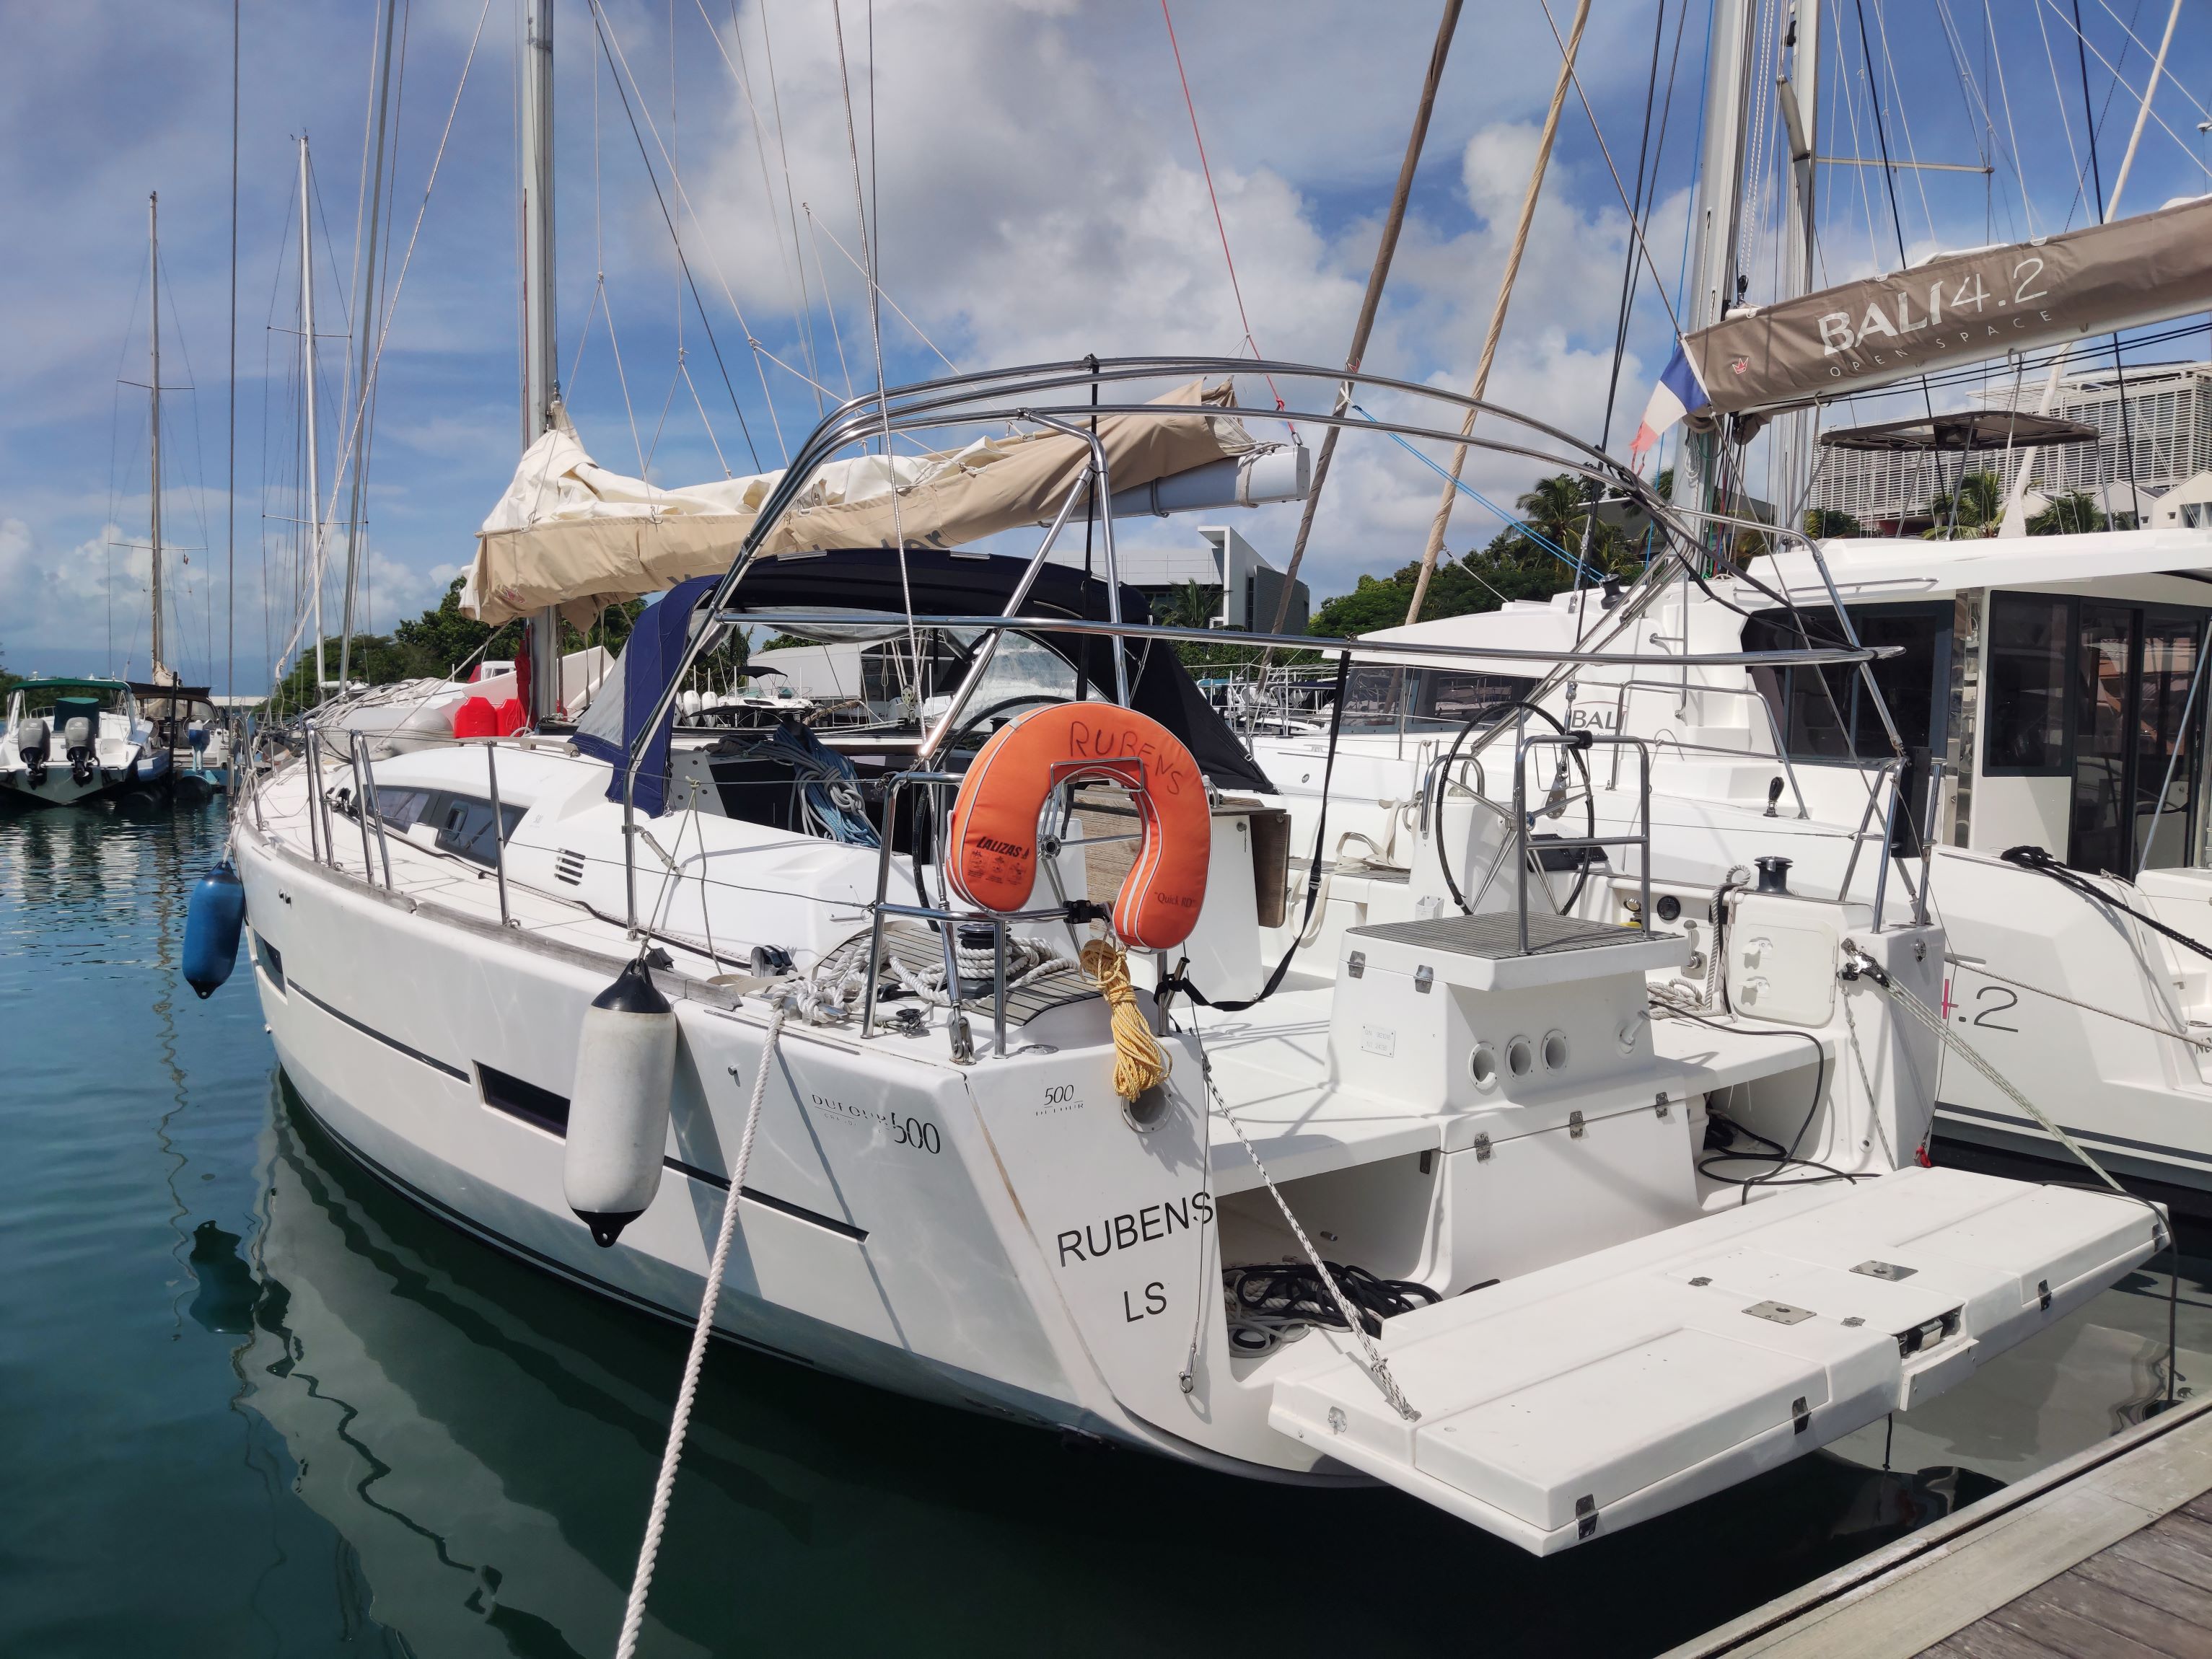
2155,440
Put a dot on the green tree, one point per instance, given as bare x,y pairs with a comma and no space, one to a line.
2069,515
1975,506
1189,604
1822,522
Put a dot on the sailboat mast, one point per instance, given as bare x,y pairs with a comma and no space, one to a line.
1798,96
541,389
307,381
1720,199
153,398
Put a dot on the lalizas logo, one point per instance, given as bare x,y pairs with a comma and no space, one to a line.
1008,848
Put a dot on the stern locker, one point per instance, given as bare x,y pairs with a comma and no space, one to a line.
1623,1384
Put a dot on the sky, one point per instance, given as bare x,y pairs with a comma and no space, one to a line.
1035,192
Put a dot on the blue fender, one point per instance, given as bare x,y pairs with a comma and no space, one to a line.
212,924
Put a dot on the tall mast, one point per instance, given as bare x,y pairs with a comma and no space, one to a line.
1720,199
307,380
1798,96
541,390
153,396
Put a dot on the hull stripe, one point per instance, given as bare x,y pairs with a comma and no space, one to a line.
394,1043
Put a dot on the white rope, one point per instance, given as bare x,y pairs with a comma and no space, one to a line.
1905,997
2202,1045
1866,1076
664,1488
831,991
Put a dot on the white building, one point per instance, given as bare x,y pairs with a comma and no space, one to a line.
1250,588
2165,433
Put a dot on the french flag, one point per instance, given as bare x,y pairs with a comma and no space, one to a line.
1678,392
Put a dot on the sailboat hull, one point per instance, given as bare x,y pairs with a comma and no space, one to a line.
868,1245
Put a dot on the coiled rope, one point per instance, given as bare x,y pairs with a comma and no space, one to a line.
680,1423
832,990
1140,1063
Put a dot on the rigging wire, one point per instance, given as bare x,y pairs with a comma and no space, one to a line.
230,475
1205,167
1642,156
1888,172
390,309
621,69
870,248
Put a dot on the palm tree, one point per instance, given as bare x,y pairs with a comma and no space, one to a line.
1972,510
1190,605
2069,515
1556,508
1822,522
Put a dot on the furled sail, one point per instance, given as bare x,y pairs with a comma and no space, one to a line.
1959,309
568,532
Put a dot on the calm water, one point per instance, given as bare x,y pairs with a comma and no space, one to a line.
250,1403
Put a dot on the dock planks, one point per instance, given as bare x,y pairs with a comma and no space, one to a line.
2148,1596
2107,1555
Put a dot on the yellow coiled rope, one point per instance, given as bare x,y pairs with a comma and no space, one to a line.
1140,1063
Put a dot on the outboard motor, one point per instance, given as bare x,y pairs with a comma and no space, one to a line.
78,739
34,742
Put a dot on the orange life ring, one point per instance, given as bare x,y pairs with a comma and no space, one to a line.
993,828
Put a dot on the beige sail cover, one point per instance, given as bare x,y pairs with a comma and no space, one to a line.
1961,308
568,532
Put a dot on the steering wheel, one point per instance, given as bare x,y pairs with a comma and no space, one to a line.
1495,715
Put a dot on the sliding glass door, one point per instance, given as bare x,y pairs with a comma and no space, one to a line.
2135,757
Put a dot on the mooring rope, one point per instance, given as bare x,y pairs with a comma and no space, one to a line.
680,1423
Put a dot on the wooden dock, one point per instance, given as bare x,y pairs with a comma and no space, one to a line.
2107,1555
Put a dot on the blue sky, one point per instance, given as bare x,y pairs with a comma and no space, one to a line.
1038,194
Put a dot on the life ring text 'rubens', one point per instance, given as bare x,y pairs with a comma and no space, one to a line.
994,818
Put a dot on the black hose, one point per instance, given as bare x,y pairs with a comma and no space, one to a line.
1175,981
2037,860
1770,1151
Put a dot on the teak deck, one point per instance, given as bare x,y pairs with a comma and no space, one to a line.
2107,1555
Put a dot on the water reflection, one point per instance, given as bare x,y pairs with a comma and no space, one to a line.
483,1437
264,1405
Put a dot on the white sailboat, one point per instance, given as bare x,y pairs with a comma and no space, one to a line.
976,1215
1449,1202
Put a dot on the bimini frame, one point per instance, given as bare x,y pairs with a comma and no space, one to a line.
1057,396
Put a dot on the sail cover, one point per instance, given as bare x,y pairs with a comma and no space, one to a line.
1959,309
568,532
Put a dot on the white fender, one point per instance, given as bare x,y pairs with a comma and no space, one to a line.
618,1109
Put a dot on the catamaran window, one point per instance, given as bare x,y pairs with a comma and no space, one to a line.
1425,698
464,827
2026,698
1825,714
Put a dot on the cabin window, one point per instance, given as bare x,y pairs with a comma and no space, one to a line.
401,808
2025,703
464,827
1826,715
